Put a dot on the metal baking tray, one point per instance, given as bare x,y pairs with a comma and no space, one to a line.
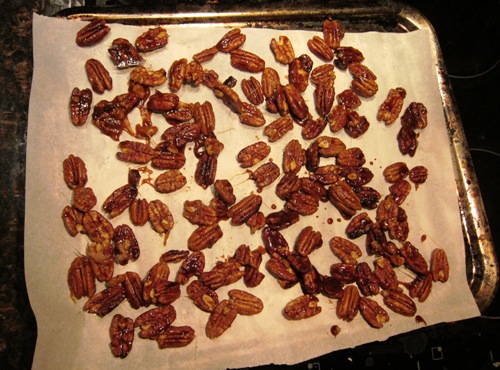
381,16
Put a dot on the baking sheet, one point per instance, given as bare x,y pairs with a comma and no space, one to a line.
71,338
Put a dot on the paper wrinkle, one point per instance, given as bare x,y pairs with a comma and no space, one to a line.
70,338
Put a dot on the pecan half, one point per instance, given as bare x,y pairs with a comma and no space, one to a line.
283,50
204,237
138,212
206,170
124,54
98,76
302,307
440,268
105,301
72,219
391,107
193,265
119,200
415,116
244,209
399,302
366,280
308,240
348,304
202,296
395,172
245,303
224,190
278,128
154,322
332,33
246,61
135,152
175,337
413,259
324,96
373,313
220,319
344,199
418,174
81,280
253,90
125,244
92,33
345,250
74,172
153,39
170,181
265,174
319,47
160,217
97,227
79,105
121,332
147,77
232,40
298,72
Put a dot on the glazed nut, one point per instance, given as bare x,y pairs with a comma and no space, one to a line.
418,174
283,50
160,217
440,268
332,33
231,40
308,240
121,332
399,302
349,99
202,296
296,102
84,199
147,77
345,250
366,280
198,213
359,225
98,76
251,115
119,200
395,172
135,152
105,301
244,209
175,337
278,128
415,116
124,54
324,96
246,61
413,259
126,245
92,33
177,74
193,265
294,157
72,219
344,199
347,55
320,48
391,107
407,140
348,304
206,55
364,87
162,102
420,287
74,172
265,174
253,90
138,212
245,303
155,321
221,319
373,313
81,280
302,307
79,105
299,70
153,39
204,237
322,72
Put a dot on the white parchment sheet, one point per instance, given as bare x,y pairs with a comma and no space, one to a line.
69,338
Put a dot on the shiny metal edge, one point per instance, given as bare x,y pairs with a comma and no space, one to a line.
386,16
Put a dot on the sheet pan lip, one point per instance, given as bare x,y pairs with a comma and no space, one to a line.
482,263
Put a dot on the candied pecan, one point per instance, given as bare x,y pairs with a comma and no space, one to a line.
174,255
331,287
246,61
159,272
178,136
105,301
126,245
81,280
282,50
278,128
92,33
364,87
323,72
245,303
160,217
224,273
79,105
84,199
73,219
360,71
256,222
346,55
312,128
356,125
326,175
324,96
221,319
390,109
413,259
357,176
298,72
351,157
138,212
206,169
194,73
332,33
393,218
345,250
232,40
420,287
368,197
288,184
251,115
329,146
265,174
253,90
399,302
349,99
168,160
111,117
282,219
318,46
245,208
175,337
98,76
294,157
224,190
205,55
74,172
348,304
204,237
391,252
373,313
252,277
170,181
153,39
344,199
418,174
366,280
124,54
198,213
385,274
400,190
121,332
307,186
297,104
193,265
359,225
395,172
101,259
135,152
308,240
343,272
415,116
302,307
337,118
440,268
202,296
303,204
119,200
220,208
146,77
204,117
275,243
155,321
132,287
407,140
97,227
162,102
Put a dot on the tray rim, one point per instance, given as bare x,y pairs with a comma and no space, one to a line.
482,262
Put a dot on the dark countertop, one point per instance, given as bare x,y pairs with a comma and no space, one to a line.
17,323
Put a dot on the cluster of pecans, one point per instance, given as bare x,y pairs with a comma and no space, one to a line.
343,183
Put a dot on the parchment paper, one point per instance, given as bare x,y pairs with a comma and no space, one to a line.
70,338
